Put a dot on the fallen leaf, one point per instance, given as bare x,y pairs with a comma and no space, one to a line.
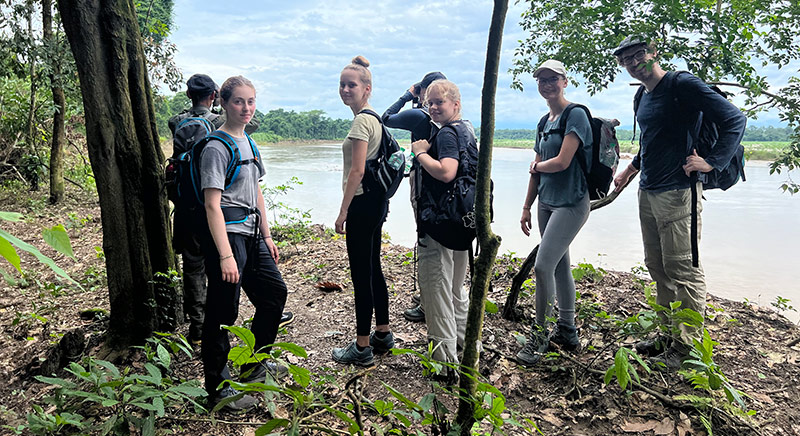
638,427
761,397
549,416
328,286
665,427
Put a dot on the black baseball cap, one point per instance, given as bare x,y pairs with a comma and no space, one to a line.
630,41
201,85
428,79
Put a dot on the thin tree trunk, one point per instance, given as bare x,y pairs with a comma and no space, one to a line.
127,162
30,125
489,242
59,102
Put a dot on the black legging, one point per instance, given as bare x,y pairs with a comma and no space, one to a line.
364,224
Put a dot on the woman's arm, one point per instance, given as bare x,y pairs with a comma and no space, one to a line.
530,196
359,161
265,232
443,170
561,162
216,224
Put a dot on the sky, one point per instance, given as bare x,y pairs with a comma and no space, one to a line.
293,51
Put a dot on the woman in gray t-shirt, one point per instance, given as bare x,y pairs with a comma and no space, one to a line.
558,180
241,254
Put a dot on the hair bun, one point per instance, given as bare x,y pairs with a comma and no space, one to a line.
360,60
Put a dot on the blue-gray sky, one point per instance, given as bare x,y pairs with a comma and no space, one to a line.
293,51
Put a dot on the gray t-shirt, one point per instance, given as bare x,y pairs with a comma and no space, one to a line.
568,187
244,190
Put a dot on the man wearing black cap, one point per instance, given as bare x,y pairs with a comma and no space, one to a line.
417,121
668,111
189,127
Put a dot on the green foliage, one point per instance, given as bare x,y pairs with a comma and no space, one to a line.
783,304
588,272
302,125
704,373
119,399
55,236
623,370
289,225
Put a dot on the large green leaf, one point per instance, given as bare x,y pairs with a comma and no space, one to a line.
22,245
10,253
58,238
11,216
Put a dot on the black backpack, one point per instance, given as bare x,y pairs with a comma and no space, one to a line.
704,139
188,132
188,188
450,220
386,171
605,149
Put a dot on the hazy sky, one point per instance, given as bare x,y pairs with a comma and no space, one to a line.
293,51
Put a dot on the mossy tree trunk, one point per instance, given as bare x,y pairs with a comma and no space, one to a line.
489,242
127,162
59,102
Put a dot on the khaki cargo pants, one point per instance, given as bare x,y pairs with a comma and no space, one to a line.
665,218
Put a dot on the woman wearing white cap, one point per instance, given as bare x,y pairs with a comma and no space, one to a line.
558,180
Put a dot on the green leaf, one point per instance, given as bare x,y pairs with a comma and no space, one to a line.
272,425
163,355
159,403
292,348
149,426
491,307
8,277
427,402
301,376
11,216
154,372
241,355
244,334
58,238
108,366
24,246
188,390
395,393
56,381
10,254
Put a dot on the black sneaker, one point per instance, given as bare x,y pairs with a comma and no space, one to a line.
286,319
653,346
447,377
232,403
566,336
414,314
258,373
381,346
350,354
535,348
670,360
415,299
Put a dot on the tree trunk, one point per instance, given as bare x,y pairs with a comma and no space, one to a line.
59,102
30,126
487,240
127,162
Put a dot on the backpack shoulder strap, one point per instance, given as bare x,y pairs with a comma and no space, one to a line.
540,126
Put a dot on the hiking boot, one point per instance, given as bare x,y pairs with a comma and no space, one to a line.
381,346
653,346
286,319
670,360
535,348
350,354
414,314
258,373
416,299
245,402
566,336
447,377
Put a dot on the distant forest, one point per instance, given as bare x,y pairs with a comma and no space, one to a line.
280,124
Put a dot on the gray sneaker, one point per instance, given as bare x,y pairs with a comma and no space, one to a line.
534,349
244,402
381,346
415,314
258,373
350,354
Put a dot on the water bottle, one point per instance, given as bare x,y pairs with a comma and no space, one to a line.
409,160
396,159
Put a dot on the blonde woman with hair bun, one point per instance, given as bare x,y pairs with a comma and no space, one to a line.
361,218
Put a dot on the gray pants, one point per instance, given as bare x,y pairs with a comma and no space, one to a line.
441,283
558,227
665,218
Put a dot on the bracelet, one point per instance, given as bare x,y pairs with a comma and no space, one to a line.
225,257
526,207
267,237
534,167
420,154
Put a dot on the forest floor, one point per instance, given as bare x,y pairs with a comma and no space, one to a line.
564,395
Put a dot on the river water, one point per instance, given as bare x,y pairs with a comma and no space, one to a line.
750,246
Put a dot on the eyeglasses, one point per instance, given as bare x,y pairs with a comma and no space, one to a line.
548,80
634,59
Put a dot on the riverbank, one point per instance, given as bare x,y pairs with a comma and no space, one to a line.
563,395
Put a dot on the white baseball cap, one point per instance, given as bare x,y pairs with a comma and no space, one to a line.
552,65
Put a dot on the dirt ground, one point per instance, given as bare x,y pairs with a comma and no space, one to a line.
562,396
